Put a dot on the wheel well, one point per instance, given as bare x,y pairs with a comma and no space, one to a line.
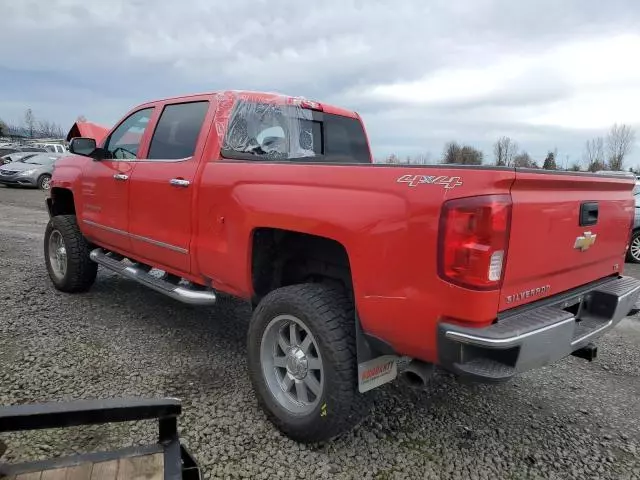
282,257
61,202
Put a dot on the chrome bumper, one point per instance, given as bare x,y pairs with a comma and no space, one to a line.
537,336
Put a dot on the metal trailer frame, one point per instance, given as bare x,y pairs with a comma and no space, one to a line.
179,464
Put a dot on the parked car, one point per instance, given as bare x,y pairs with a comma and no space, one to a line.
52,147
633,252
30,172
6,150
12,157
353,269
17,148
29,148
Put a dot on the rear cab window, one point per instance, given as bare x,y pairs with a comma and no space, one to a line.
276,132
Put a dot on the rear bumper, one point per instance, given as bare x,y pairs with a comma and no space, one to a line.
537,336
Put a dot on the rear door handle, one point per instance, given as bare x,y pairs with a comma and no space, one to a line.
121,176
179,182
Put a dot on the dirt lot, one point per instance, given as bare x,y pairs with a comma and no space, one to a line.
570,420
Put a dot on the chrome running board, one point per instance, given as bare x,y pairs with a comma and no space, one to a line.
178,292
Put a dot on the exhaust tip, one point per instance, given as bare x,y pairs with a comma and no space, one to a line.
417,374
413,379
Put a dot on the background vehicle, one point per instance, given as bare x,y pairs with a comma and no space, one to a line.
6,150
12,157
34,171
52,147
633,253
28,148
17,148
353,269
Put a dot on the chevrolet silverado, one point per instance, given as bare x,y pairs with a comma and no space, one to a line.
357,272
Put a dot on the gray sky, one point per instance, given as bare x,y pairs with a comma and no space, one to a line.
548,73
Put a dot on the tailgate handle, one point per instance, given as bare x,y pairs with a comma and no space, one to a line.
588,213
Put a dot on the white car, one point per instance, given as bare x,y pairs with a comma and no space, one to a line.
52,147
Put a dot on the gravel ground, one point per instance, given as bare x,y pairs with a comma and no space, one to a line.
570,420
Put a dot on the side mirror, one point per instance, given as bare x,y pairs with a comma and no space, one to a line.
82,146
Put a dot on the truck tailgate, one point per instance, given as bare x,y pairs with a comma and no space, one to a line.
551,248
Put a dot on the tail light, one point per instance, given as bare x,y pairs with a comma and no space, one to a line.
473,240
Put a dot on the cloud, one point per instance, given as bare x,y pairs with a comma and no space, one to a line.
421,73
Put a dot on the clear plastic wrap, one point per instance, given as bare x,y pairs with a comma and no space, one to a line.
262,126
272,129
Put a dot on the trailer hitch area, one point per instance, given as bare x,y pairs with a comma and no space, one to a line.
588,352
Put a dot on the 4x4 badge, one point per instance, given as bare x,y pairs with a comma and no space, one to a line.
584,242
414,180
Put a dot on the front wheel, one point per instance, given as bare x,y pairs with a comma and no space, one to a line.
633,253
302,362
66,254
44,182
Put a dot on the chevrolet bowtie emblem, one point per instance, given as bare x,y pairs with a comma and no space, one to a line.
584,242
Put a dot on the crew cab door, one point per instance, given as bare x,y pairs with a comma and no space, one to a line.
162,186
105,184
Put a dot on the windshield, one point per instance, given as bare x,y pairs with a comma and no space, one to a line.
264,131
39,160
636,189
21,157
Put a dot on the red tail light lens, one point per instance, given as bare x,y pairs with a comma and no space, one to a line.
473,240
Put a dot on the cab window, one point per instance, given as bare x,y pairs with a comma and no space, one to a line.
124,142
178,130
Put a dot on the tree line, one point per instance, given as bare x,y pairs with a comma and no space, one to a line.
600,153
32,127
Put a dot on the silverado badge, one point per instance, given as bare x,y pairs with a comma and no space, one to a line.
584,242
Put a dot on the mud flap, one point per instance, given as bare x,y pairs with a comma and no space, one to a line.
374,369
376,372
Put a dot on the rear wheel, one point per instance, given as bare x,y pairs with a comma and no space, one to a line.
66,254
633,253
302,362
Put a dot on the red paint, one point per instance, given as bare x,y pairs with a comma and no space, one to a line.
87,129
388,228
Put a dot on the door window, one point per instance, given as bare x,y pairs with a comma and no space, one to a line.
178,131
124,142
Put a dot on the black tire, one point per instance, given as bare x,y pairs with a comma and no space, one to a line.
635,237
43,181
329,315
80,270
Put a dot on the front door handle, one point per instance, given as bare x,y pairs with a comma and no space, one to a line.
179,182
121,176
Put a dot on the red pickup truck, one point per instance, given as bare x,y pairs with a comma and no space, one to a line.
357,272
